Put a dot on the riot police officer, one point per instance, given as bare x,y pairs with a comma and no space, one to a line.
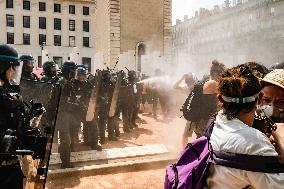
49,72
132,97
125,94
83,88
136,91
11,175
67,124
28,66
104,99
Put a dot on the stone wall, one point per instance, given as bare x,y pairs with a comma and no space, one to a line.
130,23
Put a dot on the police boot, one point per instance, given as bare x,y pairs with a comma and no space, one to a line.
116,128
117,133
112,138
66,165
126,130
134,125
97,147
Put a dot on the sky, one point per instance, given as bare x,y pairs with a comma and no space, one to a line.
188,7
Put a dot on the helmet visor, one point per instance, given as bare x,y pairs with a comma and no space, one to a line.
16,77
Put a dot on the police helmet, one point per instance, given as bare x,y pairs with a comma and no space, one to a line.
81,71
47,67
67,67
132,74
8,57
106,74
27,58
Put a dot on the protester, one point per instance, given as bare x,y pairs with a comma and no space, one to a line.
239,91
206,102
273,93
189,80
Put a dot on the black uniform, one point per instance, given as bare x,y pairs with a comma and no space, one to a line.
67,123
11,175
29,76
125,106
103,106
83,90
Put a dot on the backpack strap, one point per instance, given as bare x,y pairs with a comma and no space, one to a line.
255,163
210,126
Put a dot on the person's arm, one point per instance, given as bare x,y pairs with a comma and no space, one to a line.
271,180
176,85
278,136
266,180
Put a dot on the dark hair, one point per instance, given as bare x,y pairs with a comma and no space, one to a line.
238,82
258,69
189,79
217,68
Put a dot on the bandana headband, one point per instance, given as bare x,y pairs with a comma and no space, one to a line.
243,100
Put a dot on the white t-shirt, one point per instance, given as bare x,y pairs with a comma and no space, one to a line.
235,136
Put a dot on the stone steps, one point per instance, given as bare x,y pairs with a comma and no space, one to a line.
113,155
137,164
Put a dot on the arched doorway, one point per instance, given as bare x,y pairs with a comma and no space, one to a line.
140,50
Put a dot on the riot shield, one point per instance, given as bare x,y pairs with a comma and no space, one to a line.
94,96
114,99
35,167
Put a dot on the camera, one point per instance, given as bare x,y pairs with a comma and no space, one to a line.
25,140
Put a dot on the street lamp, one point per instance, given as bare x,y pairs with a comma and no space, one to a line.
41,46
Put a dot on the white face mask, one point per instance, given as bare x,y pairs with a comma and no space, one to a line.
265,110
271,111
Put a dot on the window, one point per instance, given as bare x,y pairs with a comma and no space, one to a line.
272,11
86,61
71,9
71,25
10,38
85,10
39,61
57,7
58,60
72,41
86,42
86,26
42,22
26,22
41,6
57,23
26,5
10,20
9,4
42,39
57,40
26,39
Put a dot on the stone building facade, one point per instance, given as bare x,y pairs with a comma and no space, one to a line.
251,30
61,28
135,34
